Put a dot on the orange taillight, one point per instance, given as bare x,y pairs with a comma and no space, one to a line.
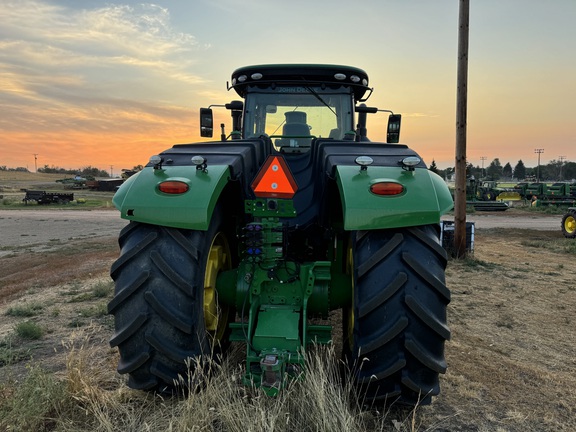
386,188
173,187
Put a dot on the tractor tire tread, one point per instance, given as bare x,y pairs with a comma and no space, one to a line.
127,291
158,306
400,286
425,357
171,274
172,315
130,365
129,329
168,348
381,297
378,340
428,317
134,252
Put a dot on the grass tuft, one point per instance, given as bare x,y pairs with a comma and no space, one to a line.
26,310
34,404
560,245
477,264
29,330
103,289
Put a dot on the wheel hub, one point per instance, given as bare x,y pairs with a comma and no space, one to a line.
570,225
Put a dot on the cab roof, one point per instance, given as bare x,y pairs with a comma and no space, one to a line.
299,74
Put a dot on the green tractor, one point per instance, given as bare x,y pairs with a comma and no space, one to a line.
257,237
569,223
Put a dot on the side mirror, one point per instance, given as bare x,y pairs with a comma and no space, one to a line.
206,123
235,106
393,133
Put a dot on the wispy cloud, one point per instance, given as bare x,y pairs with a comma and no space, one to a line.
55,61
113,70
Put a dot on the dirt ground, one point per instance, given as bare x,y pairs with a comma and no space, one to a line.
511,359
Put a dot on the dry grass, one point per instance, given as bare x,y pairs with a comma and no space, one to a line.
88,397
511,358
28,177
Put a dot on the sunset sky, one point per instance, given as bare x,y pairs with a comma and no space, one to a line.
110,83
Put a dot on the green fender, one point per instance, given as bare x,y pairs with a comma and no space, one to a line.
426,197
140,200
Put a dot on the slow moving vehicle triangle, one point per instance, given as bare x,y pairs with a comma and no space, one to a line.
274,180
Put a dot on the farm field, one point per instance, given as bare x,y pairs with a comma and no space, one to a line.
510,360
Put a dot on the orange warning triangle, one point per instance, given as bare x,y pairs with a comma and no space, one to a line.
274,180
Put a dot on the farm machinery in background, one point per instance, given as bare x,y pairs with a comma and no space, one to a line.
569,223
293,214
90,182
76,182
541,194
486,196
43,197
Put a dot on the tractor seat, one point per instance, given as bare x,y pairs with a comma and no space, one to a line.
295,130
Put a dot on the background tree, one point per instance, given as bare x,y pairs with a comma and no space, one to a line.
553,170
91,171
472,170
494,171
507,171
433,167
520,170
569,171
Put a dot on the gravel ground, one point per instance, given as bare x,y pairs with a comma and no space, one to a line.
30,227
25,228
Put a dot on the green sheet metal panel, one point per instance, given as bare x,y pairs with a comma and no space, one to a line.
139,199
277,328
425,198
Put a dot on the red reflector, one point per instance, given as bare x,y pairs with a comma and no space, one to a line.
386,188
173,187
274,180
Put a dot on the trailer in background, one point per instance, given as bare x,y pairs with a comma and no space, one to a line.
43,197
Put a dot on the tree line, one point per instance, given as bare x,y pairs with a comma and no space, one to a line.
555,170
85,172
88,171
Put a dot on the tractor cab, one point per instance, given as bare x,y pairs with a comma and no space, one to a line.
294,105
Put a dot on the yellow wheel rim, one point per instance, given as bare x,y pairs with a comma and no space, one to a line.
570,225
215,316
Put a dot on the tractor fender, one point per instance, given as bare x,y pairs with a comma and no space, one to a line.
139,199
424,199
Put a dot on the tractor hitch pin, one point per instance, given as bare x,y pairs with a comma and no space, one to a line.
271,371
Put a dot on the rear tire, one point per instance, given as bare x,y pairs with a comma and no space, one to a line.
397,325
569,224
158,305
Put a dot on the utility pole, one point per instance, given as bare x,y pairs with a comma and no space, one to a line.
483,158
539,151
35,162
562,159
461,114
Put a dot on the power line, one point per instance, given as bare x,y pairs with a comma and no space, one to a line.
539,151
483,158
562,159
